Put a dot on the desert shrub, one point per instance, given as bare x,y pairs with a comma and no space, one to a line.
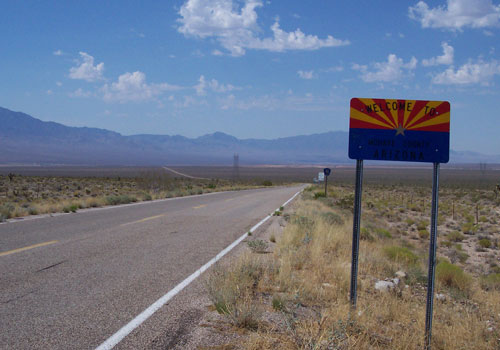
383,233
365,235
257,246
456,236
422,225
469,228
424,234
446,244
332,218
277,303
6,211
410,222
346,202
267,183
319,195
484,243
32,211
146,197
452,276
401,255
231,289
491,282
120,199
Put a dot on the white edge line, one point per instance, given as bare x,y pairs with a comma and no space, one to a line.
112,341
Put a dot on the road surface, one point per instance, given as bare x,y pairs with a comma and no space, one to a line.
72,281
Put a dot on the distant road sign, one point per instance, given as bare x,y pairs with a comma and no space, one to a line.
399,130
321,176
327,171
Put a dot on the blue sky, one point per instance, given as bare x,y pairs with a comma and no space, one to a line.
250,68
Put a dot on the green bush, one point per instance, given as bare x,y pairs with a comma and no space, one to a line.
346,202
456,236
332,218
120,199
452,276
267,183
6,211
319,195
424,234
383,233
365,235
422,225
485,243
410,222
257,246
401,255
491,282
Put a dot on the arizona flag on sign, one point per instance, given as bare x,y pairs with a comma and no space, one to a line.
399,130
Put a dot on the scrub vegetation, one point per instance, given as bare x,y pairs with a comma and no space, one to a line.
68,190
297,296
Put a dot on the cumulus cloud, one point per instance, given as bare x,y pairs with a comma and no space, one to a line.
445,58
213,85
306,74
479,72
86,70
132,87
58,53
457,14
237,29
392,71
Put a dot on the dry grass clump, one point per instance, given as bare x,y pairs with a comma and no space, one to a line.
303,294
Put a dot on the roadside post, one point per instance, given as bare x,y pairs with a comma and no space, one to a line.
405,131
327,172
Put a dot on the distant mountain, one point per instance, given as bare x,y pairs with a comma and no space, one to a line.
27,140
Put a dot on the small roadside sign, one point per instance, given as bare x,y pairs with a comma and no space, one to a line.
327,171
399,130
321,176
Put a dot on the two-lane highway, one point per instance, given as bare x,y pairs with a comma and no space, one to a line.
72,281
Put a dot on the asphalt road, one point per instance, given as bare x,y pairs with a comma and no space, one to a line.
71,281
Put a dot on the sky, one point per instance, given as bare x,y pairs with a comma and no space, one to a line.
249,68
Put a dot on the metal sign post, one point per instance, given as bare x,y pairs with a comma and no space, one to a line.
432,258
355,232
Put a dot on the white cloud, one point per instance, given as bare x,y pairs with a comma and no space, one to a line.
212,85
306,74
445,58
217,53
79,93
334,69
132,87
457,14
236,30
290,102
479,72
86,69
58,53
393,71
49,92
58,83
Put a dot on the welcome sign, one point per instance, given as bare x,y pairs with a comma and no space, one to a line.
399,130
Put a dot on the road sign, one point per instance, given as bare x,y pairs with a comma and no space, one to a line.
399,130
321,176
327,171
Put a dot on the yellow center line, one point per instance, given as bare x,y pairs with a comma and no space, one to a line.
13,251
142,220
200,206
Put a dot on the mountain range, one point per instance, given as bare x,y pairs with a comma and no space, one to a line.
27,140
